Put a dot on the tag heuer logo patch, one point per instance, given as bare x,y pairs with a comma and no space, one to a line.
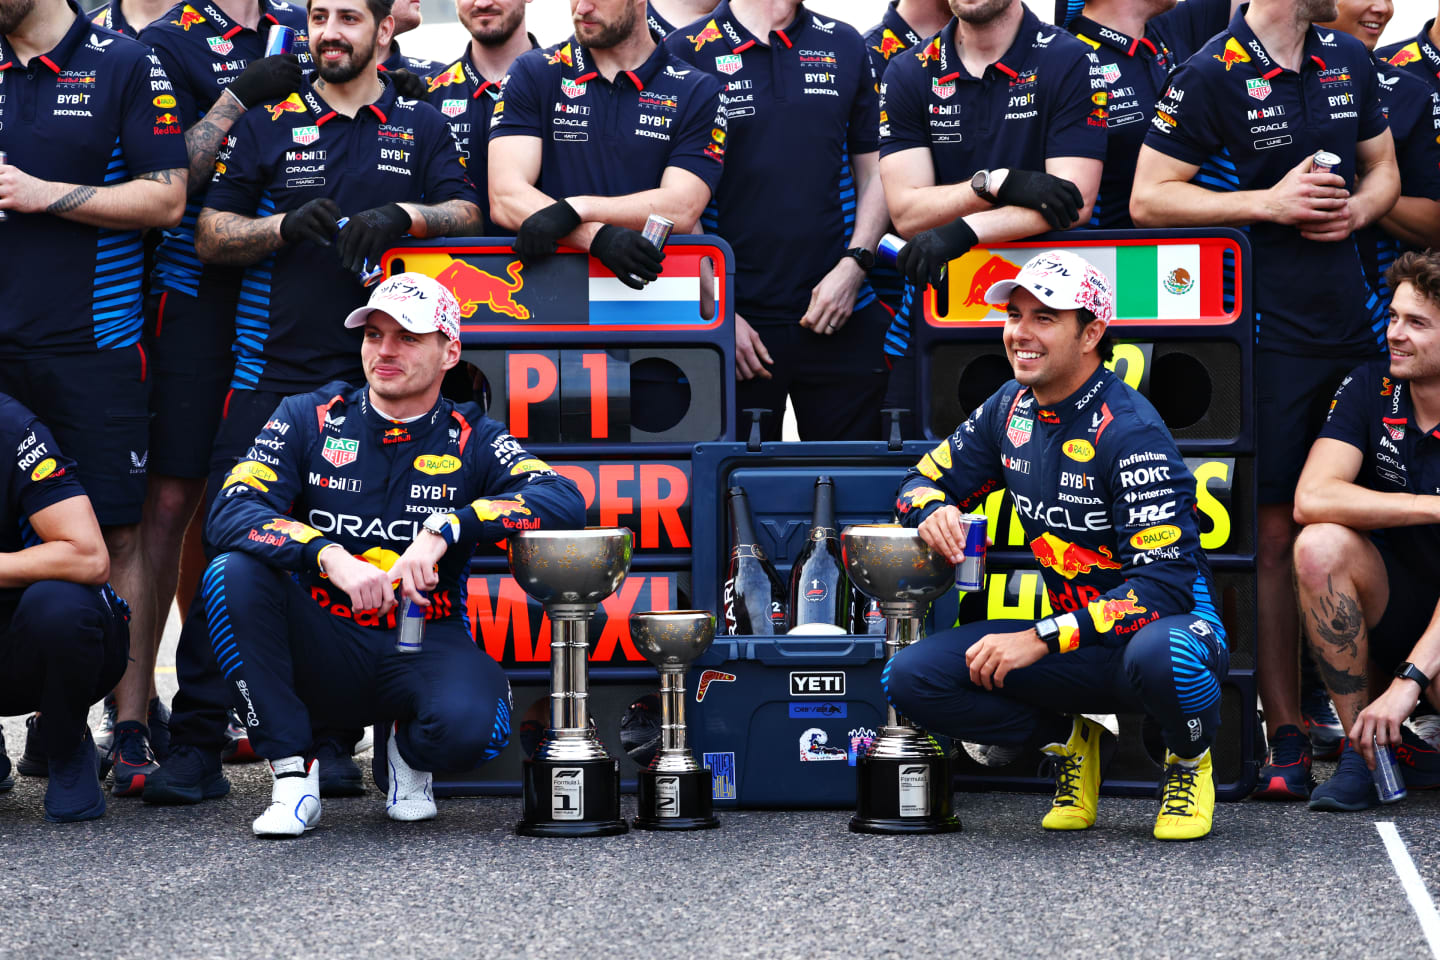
729,63
1019,429
571,89
305,135
340,452
452,108
220,46
943,90
1258,87
1110,72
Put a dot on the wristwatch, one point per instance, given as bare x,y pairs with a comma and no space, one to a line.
1049,632
443,525
1408,671
863,256
980,183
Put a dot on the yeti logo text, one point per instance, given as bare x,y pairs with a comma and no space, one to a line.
827,683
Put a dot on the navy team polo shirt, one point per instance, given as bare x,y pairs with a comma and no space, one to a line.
1245,122
609,139
1416,56
96,110
799,104
283,154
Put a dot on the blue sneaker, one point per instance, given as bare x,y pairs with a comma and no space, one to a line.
7,779
1287,775
1321,723
1419,762
1351,788
190,775
131,759
74,791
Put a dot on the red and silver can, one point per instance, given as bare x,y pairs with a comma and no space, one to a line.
1324,162
4,158
657,230
280,39
970,571
887,251
1389,784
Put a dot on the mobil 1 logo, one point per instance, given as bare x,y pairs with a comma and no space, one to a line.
817,683
567,793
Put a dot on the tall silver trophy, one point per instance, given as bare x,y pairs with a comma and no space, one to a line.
675,791
903,783
571,785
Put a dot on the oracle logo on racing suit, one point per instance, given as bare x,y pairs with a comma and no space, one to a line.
364,528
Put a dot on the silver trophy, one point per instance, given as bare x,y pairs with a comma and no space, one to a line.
903,777
675,791
571,785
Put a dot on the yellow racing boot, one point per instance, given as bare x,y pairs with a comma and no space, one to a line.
1077,777
1187,798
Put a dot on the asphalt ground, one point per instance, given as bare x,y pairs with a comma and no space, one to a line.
1272,881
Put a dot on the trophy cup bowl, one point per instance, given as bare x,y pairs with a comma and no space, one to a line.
903,777
675,792
565,568
892,564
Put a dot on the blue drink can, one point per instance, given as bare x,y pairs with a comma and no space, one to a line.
368,275
887,251
280,40
1388,782
412,628
970,571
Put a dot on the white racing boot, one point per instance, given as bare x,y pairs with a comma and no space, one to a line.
294,800
411,795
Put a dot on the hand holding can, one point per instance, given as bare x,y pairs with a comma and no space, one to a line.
657,231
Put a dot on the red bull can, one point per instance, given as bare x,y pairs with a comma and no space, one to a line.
657,231
4,158
412,628
888,250
369,276
280,40
970,571
1324,162
1388,782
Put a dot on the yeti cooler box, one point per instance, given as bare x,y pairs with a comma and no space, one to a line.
779,720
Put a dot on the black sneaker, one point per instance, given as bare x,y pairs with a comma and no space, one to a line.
1286,774
1321,723
339,775
1351,788
158,721
74,792
7,779
189,775
237,747
131,759
34,762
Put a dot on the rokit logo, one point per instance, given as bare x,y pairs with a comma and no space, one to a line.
817,683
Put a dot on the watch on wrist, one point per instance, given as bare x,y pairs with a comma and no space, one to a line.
980,183
1049,633
443,525
1408,671
862,256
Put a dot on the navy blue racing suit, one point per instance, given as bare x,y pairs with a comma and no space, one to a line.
1108,509
329,469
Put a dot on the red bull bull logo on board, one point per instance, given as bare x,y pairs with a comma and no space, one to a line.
474,288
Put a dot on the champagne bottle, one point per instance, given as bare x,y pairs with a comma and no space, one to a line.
754,600
867,618
819,588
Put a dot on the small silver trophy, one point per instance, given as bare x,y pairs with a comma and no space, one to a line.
903,777
571,785
675,791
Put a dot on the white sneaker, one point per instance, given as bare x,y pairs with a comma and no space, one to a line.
411,795
294,799
1427,728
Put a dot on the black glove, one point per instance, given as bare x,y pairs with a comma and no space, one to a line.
542,230
1056,199
923,259
407,84
269,78
313,222
369,234
632,258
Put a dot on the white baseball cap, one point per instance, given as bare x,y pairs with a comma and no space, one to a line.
1063,280
418,303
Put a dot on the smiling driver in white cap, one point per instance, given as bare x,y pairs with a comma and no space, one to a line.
412,337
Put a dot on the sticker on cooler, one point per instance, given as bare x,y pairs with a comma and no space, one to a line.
915,791
722,775
567,794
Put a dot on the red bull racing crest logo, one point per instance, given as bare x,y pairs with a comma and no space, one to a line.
931,51
559,56
291,104
889,44
1070,559
474,288
1406,54
456,74
707,33
1232,54
1109,611
189,16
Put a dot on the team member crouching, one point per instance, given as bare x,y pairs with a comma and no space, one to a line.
303,621
1109,506
1367,563
64,637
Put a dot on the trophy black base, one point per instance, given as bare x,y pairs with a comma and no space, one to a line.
675,801
577,799
904,796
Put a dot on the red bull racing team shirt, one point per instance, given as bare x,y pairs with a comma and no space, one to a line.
1417,56
1245,121
283,154
98,109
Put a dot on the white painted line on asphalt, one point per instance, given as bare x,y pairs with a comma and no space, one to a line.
1414,886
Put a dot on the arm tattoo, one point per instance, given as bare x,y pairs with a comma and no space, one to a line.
450,219
233,239
75,198
203,140
166,177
